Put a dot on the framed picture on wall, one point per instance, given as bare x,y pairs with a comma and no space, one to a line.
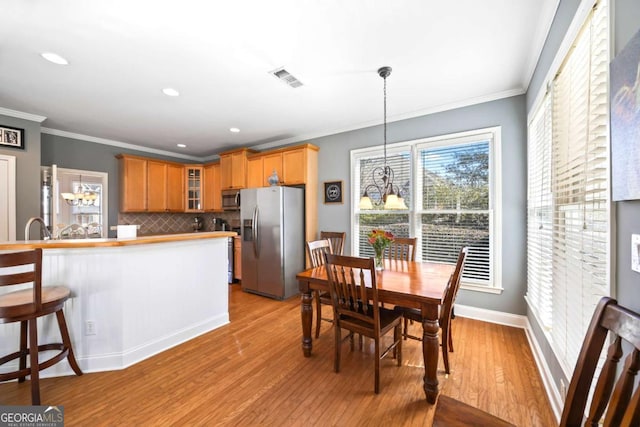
625,122
333,192
11,137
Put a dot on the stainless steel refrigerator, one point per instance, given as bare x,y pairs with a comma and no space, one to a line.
272,220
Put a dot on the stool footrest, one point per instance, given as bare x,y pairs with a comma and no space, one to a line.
21,373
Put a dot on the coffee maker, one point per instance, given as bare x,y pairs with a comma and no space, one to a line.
197,223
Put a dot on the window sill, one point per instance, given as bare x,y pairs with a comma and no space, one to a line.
484,289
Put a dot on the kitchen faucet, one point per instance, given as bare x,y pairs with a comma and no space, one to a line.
45,230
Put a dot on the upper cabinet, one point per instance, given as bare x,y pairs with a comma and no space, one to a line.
175,187
133,184
233,168
212,194
293,165
151,185
165,186
193,176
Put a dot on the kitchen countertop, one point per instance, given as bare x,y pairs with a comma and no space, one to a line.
92,243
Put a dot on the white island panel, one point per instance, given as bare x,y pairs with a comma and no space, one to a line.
140,299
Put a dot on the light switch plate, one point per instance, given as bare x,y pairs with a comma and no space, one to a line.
635,252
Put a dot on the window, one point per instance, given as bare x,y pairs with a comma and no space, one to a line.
451,186
568,195
397,222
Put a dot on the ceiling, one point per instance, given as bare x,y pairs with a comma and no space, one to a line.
218,55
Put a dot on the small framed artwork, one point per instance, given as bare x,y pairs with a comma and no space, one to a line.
333,192
11,137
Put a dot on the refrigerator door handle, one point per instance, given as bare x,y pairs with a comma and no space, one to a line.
254,231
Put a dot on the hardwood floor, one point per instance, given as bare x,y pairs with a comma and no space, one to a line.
252,372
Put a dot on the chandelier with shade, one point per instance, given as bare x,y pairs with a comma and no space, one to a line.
383,192
81,197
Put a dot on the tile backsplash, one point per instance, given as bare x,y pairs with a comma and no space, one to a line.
161,223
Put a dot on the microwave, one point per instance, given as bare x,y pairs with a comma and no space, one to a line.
231,200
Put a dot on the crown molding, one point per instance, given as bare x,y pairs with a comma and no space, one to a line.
120,144
22,115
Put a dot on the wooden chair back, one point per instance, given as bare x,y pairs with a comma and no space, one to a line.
452,287
346,275
337,240
316,250
30,274
617,396
402,249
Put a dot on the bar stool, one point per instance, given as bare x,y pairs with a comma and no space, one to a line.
25,306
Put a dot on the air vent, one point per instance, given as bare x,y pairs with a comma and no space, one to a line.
286,77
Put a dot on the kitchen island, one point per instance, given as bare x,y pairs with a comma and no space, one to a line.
130,298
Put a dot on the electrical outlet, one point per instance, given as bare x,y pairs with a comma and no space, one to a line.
635,252
90,328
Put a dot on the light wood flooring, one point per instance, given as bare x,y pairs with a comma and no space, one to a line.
252,372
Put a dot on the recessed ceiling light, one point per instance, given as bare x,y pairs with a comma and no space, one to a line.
234,130
170,91
182,145
55,58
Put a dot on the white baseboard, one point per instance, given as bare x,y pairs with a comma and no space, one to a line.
491,316
117,361
549,384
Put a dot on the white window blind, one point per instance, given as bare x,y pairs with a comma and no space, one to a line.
568,228
539,214
454,189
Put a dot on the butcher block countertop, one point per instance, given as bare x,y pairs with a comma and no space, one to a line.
95,243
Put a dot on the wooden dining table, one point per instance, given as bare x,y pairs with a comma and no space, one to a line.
407,283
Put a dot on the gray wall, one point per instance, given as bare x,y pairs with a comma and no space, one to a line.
625,23
78,154
27,171
333,165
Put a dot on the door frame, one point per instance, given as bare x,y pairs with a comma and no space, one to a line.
10,192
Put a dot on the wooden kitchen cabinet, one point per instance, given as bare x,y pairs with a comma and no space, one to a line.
211,191
133,183
272,162
294,166
165,186
193,189
175,187
156,186
254,172
233,168
237,257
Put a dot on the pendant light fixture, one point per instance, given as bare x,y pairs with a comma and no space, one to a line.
80,197
388,194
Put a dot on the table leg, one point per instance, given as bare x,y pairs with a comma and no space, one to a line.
430,351
306,315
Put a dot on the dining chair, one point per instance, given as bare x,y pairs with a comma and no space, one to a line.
337,240
316,250
402,249
356,308
26,306
612,325
73,231
446,310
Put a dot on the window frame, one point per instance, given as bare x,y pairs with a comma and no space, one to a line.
494,285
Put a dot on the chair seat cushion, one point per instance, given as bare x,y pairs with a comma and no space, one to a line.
16,305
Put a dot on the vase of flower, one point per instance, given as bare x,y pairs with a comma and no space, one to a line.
380,240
